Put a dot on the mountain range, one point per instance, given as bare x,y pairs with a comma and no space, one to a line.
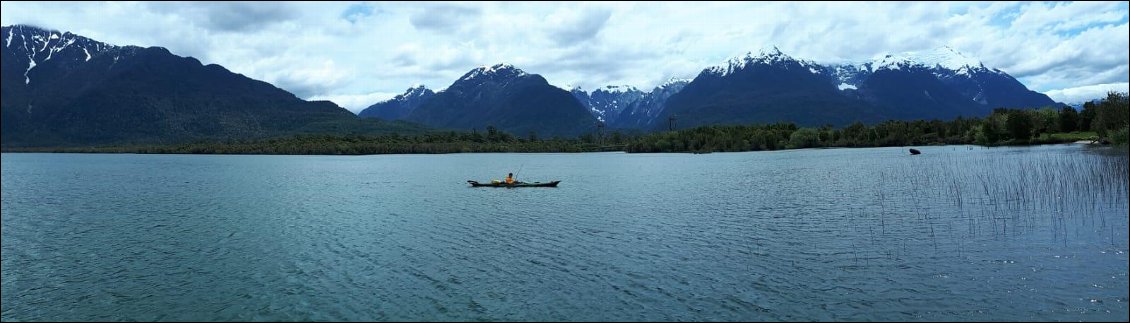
65,89
771,86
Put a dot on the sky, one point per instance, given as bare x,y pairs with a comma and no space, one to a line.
358,53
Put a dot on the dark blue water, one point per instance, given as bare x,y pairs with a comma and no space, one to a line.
957,233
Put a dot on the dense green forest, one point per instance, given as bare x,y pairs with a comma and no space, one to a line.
1103,121
1106,121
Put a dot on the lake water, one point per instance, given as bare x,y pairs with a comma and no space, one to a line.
957,233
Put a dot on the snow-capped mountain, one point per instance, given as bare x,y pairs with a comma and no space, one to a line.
501,72
607,102
765,56
641,113
399,106
771,86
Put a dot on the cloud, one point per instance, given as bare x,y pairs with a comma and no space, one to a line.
310,80
1087,93
570,26
229,16
1047,46
358,11
445,18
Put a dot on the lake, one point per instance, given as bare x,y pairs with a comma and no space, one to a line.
959,233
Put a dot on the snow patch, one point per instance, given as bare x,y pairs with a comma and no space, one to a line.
87,54
769,55
30,65
492,70
618,88
674,81
845,86
943,57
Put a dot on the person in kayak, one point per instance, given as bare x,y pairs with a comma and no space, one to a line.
510,179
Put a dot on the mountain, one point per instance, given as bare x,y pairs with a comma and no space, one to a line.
399,106
65,89
942,83
507,98
771,86
642,113
763,88
606,103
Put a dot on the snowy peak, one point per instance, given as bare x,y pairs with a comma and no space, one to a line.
617,89
766,56
39,46
415,91
944,57
673,82
501,71
612,102
413,94
399,106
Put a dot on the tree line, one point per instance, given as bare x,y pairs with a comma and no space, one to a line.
1105,120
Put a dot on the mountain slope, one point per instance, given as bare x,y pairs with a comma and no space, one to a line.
507,98
607,102
642,113
64,89
399,106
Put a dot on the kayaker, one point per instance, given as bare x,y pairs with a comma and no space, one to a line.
510,178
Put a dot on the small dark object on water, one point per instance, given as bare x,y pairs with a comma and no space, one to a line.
516,184
914,151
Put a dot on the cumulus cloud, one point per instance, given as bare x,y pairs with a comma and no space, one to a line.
310,80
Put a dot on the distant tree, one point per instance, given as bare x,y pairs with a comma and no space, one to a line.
1087,116
1068,119
1111,114
1019,125
617,137
804,138
1044,120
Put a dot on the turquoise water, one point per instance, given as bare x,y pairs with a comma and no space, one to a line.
957,233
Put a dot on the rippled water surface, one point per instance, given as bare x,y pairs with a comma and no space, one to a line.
957,233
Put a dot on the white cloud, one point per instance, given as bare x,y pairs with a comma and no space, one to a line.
339,49
1087,93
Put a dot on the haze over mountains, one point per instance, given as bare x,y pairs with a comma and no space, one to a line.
65,89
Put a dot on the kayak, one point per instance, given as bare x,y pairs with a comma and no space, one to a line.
518,184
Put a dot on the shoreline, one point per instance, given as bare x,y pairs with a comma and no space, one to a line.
150,151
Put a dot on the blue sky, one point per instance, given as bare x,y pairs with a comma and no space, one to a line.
357,53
